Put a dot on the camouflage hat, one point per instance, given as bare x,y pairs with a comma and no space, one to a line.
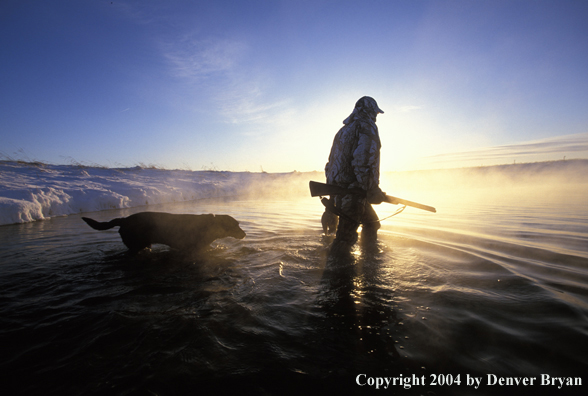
368,104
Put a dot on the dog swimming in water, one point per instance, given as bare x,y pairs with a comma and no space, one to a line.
179,231
329,221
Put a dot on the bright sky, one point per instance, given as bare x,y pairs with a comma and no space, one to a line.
265,85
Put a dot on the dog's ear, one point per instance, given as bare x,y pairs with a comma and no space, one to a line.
228,222
225,219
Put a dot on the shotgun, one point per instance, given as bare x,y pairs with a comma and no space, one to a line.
321,189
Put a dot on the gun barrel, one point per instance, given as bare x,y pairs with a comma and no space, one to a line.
396,201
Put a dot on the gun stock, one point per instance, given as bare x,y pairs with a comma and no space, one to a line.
321,189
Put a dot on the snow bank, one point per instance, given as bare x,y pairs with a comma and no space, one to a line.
34,191
31,191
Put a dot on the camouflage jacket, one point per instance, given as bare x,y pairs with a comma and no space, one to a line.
354,160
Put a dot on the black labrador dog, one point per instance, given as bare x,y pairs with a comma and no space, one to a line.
179,231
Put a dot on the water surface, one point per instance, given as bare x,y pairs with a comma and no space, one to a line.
481,287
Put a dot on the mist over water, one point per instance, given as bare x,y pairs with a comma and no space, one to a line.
495,282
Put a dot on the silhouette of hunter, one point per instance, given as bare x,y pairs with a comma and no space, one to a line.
354,162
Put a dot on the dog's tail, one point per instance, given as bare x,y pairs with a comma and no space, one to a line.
102,226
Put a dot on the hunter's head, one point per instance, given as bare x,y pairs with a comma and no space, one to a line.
369,106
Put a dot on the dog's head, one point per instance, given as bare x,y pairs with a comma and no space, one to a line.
229,227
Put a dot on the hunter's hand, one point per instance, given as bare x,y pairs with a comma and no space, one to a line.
376,196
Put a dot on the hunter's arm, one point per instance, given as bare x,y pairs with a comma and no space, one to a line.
366,163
